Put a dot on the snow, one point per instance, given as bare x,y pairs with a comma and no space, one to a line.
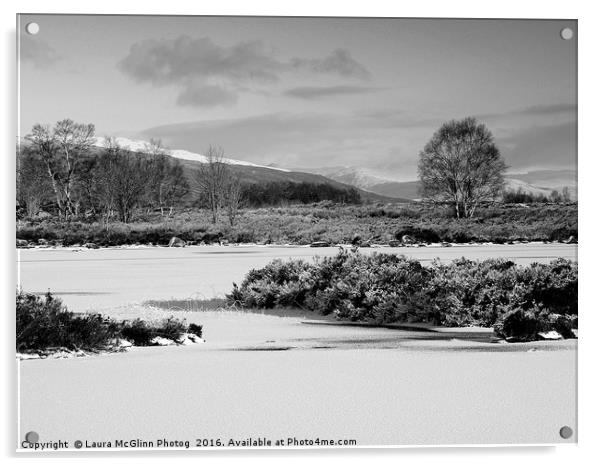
139,146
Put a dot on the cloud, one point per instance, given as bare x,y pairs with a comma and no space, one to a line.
541,146
37,52
534,111
315,92
326,139
299,140
552,109
197,66
338,62
177,60
206,96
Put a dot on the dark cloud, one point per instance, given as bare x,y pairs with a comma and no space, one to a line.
549,109
206,96
535,110
37,52
541,146
320,139
195,65
338,62
296,139
315,92
178,60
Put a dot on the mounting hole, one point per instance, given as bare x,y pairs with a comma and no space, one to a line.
566,432
566,33
32,28
32,437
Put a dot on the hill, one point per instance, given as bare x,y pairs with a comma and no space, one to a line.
252,173
533,182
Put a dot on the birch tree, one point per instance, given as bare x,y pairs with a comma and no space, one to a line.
462,165
61,148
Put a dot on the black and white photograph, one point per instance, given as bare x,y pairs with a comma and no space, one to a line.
271,232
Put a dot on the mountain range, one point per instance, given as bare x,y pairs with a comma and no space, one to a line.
371,185
249,172
533,182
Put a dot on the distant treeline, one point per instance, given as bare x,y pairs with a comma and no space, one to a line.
287,192
522,197
109,184
61,172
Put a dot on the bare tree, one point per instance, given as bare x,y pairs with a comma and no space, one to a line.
33,185
61,148
157,167
175,186
123,181
232,193
211,177
462,165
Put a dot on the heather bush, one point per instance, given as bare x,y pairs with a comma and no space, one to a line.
334,223
385,288
44,323
141,332
521,325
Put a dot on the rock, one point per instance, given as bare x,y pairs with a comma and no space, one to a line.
319,244
22,243
189,339
176,242
571,240
195,338
90,245
422,245
365,244
394,243
446,245
42,242
183,338
160,341
407,239
551,335
575,332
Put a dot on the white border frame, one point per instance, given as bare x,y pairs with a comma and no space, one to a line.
589,172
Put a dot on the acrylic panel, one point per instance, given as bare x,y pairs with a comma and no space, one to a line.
280,232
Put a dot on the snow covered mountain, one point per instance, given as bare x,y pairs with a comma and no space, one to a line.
140,146
533,182
359,177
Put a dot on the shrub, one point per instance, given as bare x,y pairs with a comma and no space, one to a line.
335,223
137,331
44,323
388,288
521,325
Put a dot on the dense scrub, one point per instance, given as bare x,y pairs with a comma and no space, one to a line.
286,192
44,323
386,288
333,223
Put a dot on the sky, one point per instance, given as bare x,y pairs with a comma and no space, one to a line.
306,92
